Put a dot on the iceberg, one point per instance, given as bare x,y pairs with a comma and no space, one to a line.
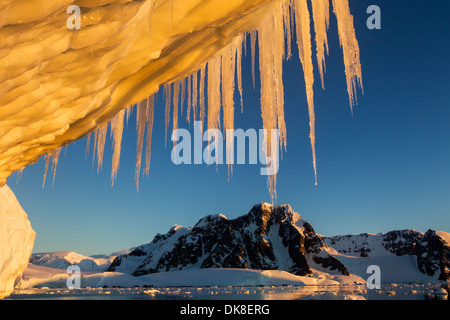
16,241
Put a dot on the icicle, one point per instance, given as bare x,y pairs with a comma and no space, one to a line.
321,17
270,51
19,174
47,161
140,129
95,146
194,95
228,74
214,103
117,132
287,27
244,40
183,94
128,112
189,99
278,48
350,49
101,145
55,157
305,54
214,99
202,95
253,45
239,68
88,143
167,94
176,96
149,118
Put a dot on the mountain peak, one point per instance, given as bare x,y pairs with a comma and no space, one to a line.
268,237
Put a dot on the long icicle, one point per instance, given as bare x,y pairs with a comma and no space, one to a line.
88,144
253,53
183,94
214,101
350,49
241,41
55,157
189,99
117,133
101,145
305,54
149,118
176,96
194,95
321,17
140,129
167,95
268,105
202,95
228,74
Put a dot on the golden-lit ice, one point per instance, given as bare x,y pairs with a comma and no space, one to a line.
59,85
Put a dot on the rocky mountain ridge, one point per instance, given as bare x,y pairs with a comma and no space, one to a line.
267,238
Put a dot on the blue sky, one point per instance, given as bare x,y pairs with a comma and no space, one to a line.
386,167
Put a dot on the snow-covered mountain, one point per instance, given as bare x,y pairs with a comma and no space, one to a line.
63,259
266,238
403,254
275,237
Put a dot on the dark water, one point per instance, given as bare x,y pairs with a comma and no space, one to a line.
403,291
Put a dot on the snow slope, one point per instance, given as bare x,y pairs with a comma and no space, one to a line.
39,276
16,240
402,255
444,235
62,259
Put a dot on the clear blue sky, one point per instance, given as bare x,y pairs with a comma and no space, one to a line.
385,168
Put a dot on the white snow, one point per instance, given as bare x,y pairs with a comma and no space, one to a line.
16,240
38,276
393,268
284,261
62,259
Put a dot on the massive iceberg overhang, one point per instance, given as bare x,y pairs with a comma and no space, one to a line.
58,85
